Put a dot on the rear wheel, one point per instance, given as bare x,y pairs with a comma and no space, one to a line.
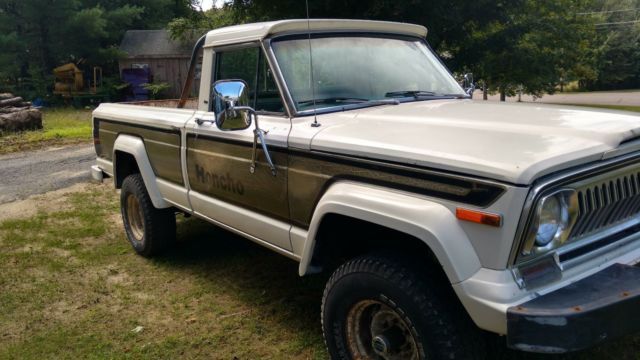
149,230
376,308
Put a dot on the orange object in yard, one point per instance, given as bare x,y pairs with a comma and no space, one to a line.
68,78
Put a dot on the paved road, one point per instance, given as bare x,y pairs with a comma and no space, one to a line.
628,98
36,172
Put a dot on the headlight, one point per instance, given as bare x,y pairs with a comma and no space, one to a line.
554,217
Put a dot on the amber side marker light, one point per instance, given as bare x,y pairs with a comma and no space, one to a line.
479,217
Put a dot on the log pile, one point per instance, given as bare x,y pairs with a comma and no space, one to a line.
17,114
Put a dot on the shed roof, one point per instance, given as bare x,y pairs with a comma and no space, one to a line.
153,43
259,31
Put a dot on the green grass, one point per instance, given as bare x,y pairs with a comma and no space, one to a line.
611,107
71,287
61,126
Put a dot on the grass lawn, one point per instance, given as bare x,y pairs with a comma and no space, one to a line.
72,288
61,126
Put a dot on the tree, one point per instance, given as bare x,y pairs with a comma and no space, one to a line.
192,27
531,45
509,44
617,54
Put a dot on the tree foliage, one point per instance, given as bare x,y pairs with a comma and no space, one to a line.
528,44
617,51
38,35
532,45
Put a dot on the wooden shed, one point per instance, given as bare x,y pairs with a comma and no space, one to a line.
164,59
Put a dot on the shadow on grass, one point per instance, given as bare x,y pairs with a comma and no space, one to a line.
269,283
263,280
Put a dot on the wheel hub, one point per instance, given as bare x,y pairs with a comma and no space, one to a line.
380,345
376,331
134,217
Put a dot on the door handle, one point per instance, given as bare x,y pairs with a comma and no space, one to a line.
201,121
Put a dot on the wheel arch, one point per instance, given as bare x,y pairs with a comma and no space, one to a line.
128,148
422,225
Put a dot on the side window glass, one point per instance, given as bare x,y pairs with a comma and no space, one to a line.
269,99
238,64
243,64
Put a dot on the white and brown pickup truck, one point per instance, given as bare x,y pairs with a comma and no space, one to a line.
348,147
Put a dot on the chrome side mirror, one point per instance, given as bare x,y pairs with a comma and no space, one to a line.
468,85
231,105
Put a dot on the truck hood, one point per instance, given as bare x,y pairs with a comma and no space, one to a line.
515,143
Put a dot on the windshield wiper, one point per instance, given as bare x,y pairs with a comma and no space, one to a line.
418,94
414,93
355,105
332,100
351,103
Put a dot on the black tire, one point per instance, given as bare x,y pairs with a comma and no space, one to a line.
149,230
372,290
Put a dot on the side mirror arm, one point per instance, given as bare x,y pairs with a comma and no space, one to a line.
257,134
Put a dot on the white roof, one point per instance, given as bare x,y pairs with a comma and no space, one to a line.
258,31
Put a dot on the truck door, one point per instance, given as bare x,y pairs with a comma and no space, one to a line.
222,187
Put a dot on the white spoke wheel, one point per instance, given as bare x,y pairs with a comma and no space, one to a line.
149,230
376,308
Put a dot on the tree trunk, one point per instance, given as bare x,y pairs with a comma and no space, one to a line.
21,120
485,91
11,109
503,94
10,102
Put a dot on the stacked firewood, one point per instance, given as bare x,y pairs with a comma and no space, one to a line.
17,114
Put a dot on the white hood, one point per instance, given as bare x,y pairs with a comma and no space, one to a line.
516,143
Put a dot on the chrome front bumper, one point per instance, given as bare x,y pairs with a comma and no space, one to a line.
489,294
603,306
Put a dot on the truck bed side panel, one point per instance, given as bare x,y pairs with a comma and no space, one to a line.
162,145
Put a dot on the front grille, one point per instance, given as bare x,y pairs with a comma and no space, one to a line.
607,201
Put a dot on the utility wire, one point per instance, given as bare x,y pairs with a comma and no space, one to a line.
619,23
606,11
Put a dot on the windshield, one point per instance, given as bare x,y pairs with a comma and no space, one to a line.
356,69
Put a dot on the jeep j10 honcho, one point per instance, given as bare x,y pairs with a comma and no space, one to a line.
349,148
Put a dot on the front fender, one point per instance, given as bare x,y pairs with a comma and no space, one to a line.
135,146
427,220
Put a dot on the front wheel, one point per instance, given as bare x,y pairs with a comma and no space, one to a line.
149,230
375,308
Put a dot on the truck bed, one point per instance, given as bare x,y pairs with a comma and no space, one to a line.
157,124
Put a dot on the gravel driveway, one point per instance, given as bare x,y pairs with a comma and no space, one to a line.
36,172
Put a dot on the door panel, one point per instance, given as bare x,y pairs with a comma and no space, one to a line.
218,170
217,162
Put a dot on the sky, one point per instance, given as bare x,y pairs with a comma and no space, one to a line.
208,4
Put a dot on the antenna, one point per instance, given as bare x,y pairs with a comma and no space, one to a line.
313,83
